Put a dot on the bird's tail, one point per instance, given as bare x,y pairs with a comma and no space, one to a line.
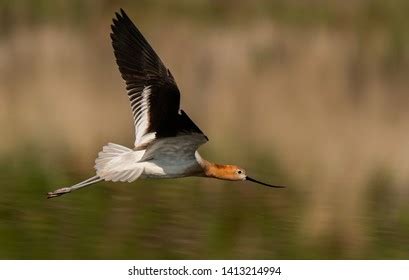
118,163
82,184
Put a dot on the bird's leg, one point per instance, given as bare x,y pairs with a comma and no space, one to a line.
82,184
58,192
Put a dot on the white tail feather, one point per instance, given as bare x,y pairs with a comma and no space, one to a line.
118,163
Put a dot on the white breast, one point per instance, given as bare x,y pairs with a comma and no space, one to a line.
170,168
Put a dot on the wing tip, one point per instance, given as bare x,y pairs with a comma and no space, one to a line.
123,12
120,18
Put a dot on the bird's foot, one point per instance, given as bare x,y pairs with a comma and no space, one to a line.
58,192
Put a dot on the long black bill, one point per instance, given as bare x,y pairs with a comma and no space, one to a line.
261,183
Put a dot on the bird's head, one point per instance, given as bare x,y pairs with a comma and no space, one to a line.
234,173
230,172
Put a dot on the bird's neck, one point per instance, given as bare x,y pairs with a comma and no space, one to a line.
213,170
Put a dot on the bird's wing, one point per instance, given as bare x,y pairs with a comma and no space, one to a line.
174,150
152,90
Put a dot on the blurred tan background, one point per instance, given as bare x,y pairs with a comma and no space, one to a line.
310,94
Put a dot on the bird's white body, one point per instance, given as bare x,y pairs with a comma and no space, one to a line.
166,158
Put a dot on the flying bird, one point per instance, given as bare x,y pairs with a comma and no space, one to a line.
166,139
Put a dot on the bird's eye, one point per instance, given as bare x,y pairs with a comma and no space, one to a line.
239,172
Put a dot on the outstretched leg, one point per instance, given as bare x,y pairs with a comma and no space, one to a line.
82,184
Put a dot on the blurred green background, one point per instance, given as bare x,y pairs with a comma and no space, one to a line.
310,94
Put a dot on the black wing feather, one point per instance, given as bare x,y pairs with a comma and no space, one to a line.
142,69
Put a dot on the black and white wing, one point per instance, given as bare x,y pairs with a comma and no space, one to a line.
152,90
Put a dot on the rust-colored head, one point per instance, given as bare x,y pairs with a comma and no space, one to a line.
226,172
231,173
